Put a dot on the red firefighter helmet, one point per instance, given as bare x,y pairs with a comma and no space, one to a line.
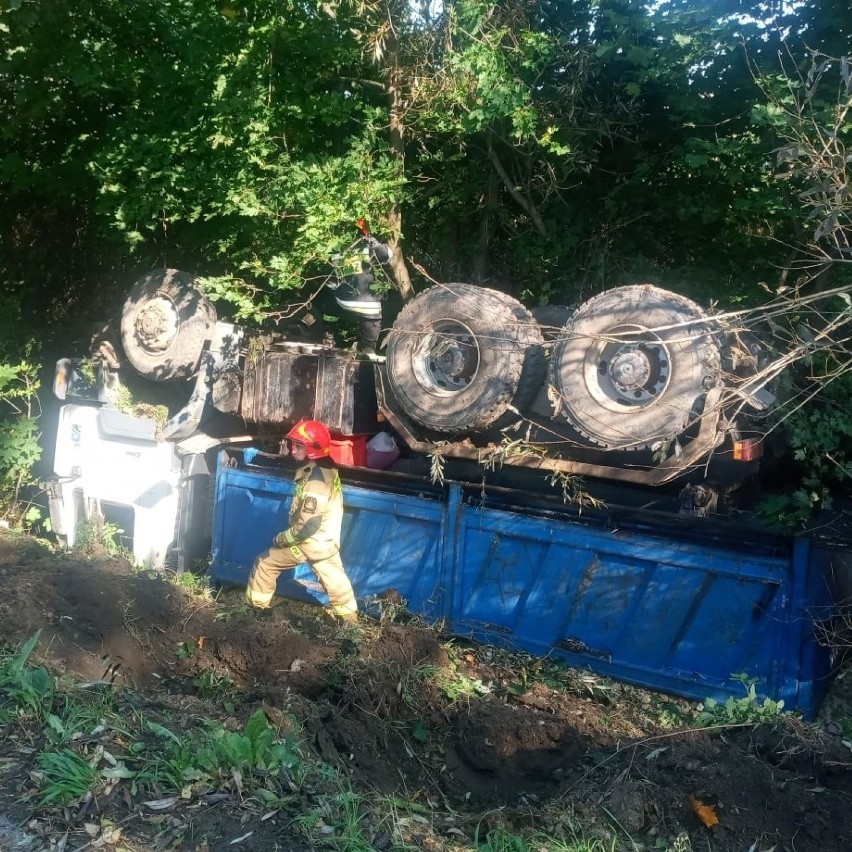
314,436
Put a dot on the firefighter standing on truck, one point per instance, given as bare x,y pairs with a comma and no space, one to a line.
313,531
354,291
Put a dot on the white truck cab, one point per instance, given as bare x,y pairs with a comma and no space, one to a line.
110,466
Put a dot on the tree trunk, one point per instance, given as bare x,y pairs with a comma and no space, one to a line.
483,246
397,152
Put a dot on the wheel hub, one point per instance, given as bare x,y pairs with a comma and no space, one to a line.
629,370
633,373
157,324
449,358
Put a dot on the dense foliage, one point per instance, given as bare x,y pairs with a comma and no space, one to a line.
550,149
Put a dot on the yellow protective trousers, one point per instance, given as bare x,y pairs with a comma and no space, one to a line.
327,566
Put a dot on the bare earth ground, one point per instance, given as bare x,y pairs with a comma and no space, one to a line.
530,743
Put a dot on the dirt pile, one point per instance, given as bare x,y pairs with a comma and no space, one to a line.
480,740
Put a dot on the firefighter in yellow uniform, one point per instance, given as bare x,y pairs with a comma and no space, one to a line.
313,531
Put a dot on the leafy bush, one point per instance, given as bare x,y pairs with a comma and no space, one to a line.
19,436
820,435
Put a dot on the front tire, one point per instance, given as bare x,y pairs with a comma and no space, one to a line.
165,324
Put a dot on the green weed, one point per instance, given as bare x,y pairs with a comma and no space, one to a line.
215,685
24,691
457,686
213,753
845,723
258,747
185,650
96,532
453,682
737,711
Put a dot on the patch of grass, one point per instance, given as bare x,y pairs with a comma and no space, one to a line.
573,840
500,840
64,777
353,831
196,584
668,715
168,763
25,691
77,718
453,682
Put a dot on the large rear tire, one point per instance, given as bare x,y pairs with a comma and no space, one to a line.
459,355
164,325
633,365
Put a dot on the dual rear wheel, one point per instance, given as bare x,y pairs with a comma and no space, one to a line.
629,368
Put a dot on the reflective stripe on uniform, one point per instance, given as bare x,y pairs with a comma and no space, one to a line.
371,310
261,600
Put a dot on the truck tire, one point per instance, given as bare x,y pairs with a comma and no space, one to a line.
457,357
530,335
633,365
165,323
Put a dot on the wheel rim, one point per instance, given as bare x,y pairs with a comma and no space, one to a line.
446,360
157,324
630,368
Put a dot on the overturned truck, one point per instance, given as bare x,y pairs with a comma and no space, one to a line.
638,384
636,387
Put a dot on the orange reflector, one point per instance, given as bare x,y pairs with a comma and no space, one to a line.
748,449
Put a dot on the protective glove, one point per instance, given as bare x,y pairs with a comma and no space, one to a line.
284,540
249,454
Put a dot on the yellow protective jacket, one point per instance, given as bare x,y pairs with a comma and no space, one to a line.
316,513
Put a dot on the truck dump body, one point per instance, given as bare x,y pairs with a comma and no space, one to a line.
656,601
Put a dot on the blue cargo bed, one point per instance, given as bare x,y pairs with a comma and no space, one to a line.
679,605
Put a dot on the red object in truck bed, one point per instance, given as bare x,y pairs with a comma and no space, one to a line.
349,450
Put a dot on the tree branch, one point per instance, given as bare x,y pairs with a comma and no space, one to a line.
519,198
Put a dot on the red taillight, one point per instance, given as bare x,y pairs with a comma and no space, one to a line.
748,449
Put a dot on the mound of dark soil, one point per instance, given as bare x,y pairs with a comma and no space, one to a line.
383,703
